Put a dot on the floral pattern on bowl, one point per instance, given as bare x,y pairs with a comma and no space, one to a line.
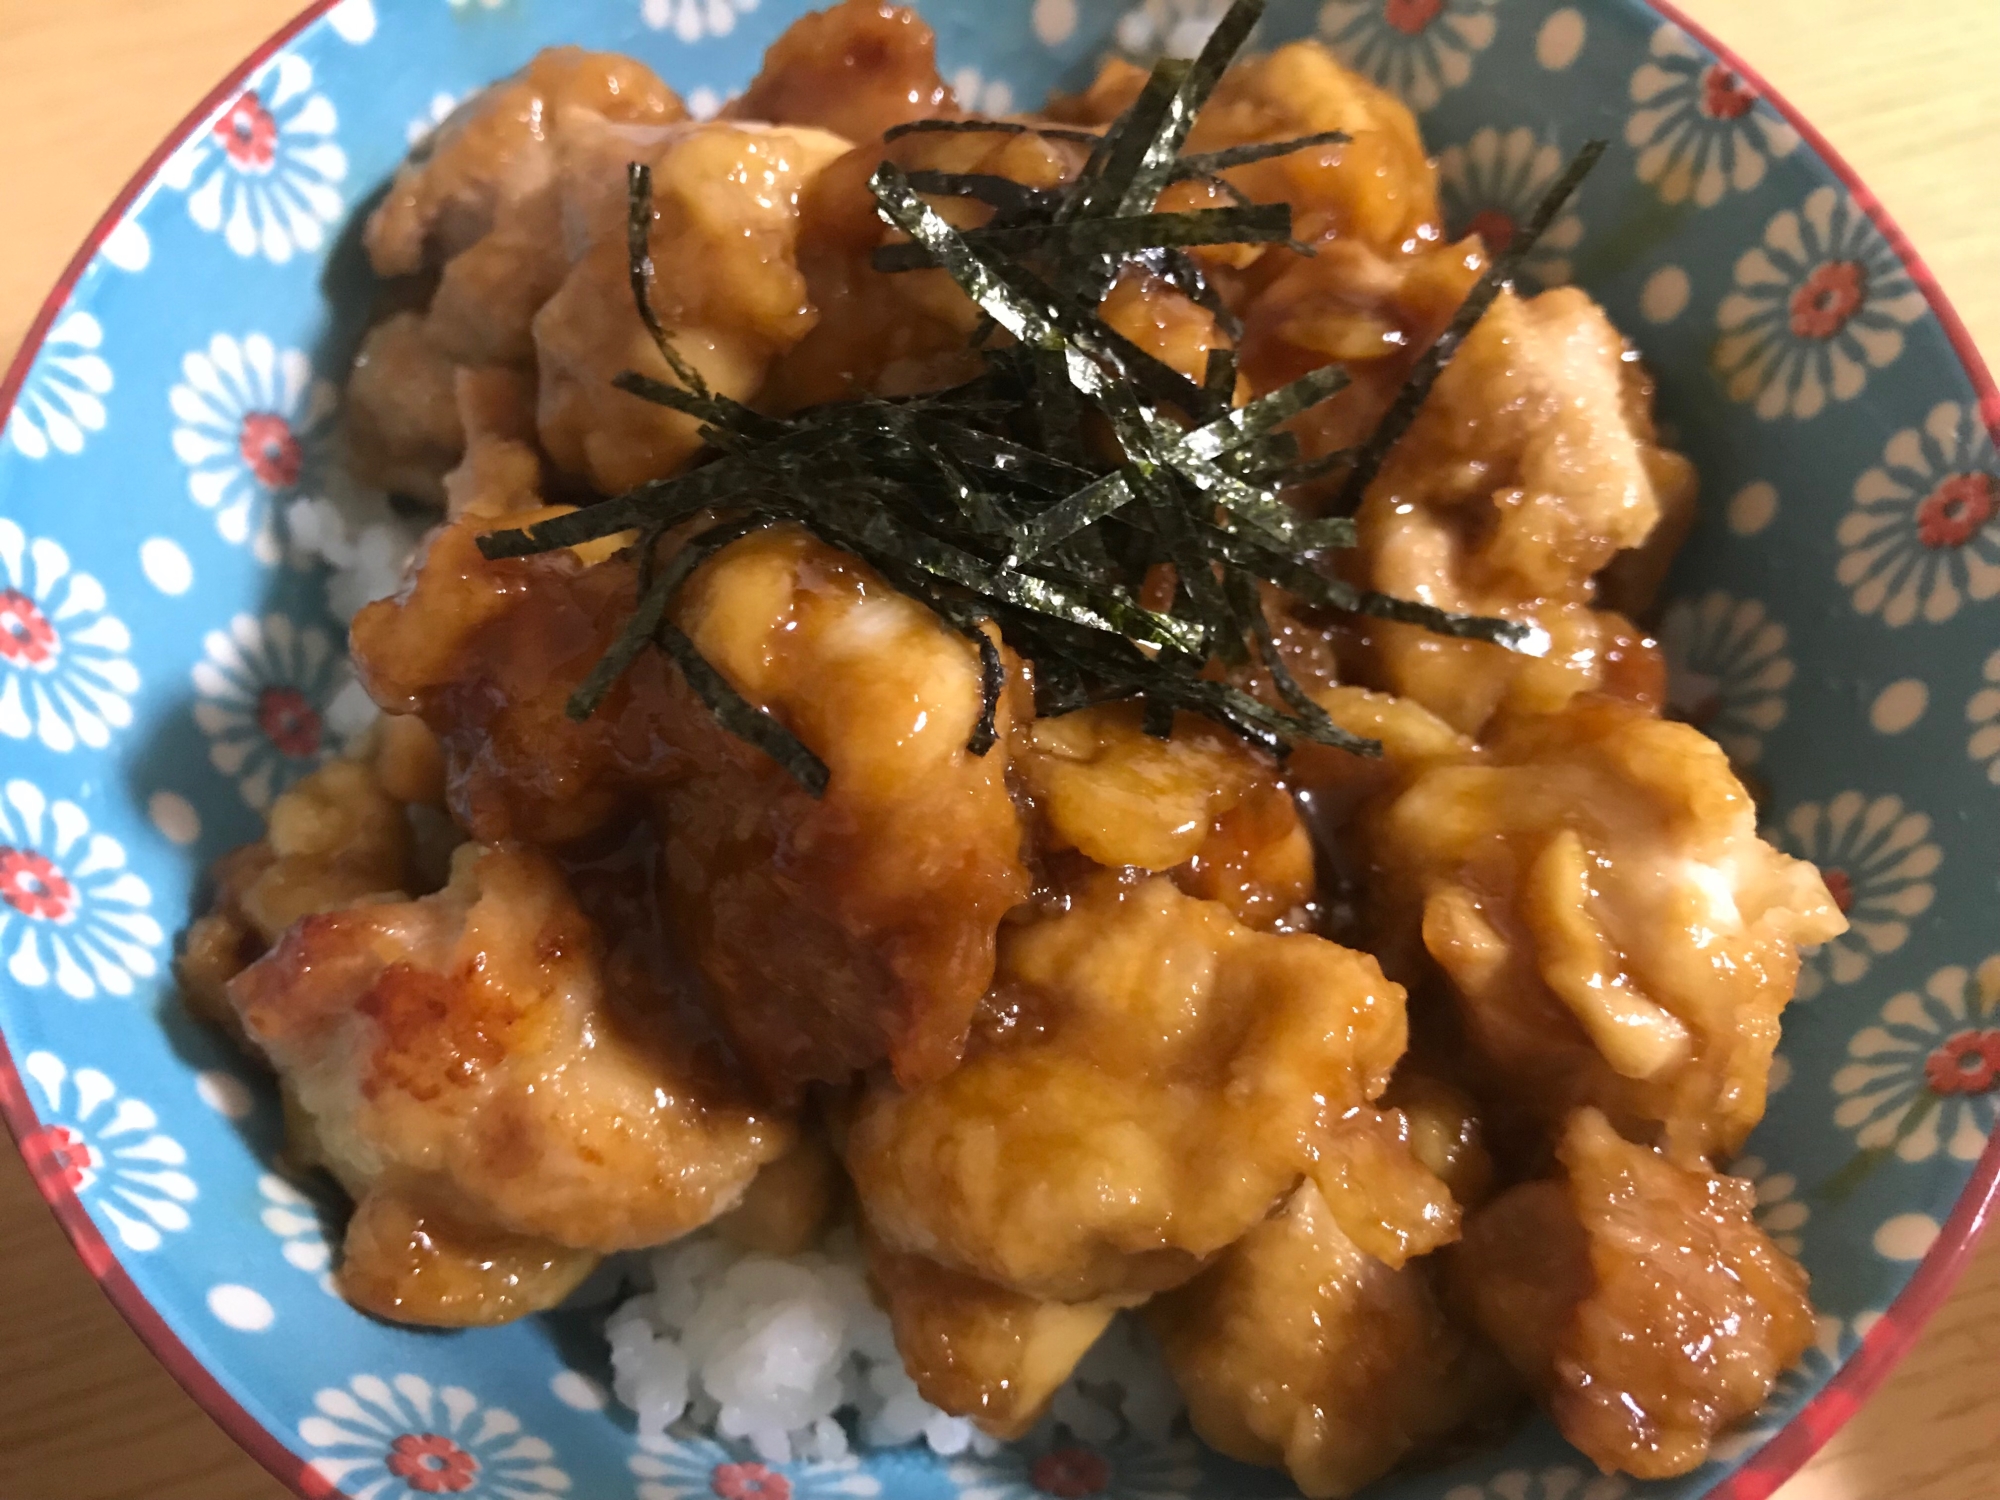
165,672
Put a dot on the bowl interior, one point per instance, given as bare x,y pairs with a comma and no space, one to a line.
165,669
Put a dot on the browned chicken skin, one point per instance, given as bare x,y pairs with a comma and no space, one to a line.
833,932
1639,1297
1614,931
1158,1077
1300,1350
481,1055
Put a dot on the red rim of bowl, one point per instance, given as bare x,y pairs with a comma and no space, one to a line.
1781,1457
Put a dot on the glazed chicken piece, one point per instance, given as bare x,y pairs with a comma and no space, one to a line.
1381,283
855,69
494,206
1380,1192
495,161
1377,186
978,1350
1149,1079
839,931
725,223
904,332
401,427
345,834
1614,931
833,932
504,1094
1299,1350
1639,1298
1412,738
1523,477
1201,805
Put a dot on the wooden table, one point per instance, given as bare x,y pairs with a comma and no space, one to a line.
1907,92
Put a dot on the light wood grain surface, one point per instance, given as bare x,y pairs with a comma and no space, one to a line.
90,86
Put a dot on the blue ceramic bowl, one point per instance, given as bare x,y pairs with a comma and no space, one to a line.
163,671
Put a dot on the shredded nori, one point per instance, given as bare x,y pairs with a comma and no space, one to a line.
1033,503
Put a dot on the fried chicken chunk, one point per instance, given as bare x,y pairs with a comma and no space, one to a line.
904,332
497,154
725,220
1524,476
1153,1077
481,1059
1614,930
833,932
492,204
1639,1298
855,69
978,1350
1300,1350
1381,283
1200,804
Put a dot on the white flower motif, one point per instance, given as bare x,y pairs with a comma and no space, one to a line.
64,677
264,688
979,95
297,1220
1779,1211
70,912
1727,671
1983,713
254,427
1877,860
1131,1469
1924,531
384,1439
1166,28
1822,301
1833,1341
1700,128
691,20
1417,49
1561,1482
703,1470
62,401
1491,186
107,1151
1924,1078
267,173
439,110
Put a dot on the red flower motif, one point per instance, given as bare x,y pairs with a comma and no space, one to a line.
1411,16
1725,96
34,887
1957,511
431,1464
749,1482
249,134
1840,886
1968,1063
289,721
272,450
1828,301
56,1153
1070,1474
1495,228
26,636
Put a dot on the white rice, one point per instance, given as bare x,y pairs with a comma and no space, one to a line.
789,1357
792,1358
